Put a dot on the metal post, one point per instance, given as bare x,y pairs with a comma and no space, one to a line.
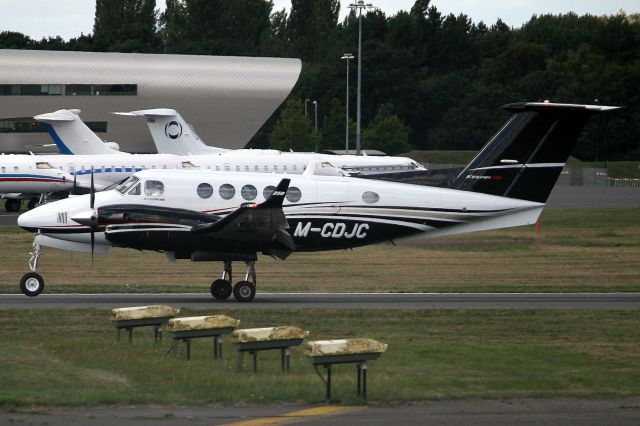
287,359
359,368
364,382
188,342
327,396
255,361
347,57
360,5
315,105
215,347
306,111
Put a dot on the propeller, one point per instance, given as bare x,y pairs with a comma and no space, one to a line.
75,185
89,217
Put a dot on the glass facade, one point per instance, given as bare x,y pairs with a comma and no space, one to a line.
68,89
29,125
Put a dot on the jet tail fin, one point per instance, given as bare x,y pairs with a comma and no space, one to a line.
71,135
171,133
524,159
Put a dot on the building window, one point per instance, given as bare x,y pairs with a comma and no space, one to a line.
68,89
29,125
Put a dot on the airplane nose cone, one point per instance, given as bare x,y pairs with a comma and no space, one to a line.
29,220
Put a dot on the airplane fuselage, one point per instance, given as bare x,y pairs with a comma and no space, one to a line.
158,210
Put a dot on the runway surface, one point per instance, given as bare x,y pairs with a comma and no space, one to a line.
336,300
562,197
557,411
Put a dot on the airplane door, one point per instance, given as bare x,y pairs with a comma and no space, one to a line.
72,169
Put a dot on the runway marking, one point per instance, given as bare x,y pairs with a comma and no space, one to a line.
295,416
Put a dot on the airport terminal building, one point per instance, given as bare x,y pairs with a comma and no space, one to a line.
226,99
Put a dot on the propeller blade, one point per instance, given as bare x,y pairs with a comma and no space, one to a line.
93,246
93,191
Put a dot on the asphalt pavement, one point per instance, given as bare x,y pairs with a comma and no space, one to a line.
335,300
583,412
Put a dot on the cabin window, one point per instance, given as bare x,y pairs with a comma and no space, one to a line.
4,170
370,197
266,193
266,168
237,168
249,192
205,190
246,168
257,168
208,167
217,168
43,165
284,169
153,188
164,167
295,168
275,168
227,191
15,169
294,194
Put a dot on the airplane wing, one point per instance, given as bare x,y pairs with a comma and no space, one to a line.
259,223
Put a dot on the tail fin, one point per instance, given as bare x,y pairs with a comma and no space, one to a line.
524,159
171,134
71,135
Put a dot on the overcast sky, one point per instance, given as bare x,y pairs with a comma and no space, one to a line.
70,18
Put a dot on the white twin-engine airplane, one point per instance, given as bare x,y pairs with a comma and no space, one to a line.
210,216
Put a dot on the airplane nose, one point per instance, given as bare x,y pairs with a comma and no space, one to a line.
28,220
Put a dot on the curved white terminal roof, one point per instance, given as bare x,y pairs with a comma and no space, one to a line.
226,98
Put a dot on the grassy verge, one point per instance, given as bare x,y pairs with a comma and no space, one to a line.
70,357
577,250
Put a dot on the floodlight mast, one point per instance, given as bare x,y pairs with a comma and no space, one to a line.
360,5
347,57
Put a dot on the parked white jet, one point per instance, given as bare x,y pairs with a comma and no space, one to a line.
172,135
207,216
21,176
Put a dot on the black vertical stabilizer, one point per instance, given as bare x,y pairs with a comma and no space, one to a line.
524,159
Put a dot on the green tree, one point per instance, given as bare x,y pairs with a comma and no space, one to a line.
311,27
293,131
333,127
386,132
126,26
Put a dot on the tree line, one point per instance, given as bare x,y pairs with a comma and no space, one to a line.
430,80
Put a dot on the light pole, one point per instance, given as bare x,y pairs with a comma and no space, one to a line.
347,57
305,107
360,5
315,105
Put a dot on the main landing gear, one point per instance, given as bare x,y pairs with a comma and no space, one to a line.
243,291
31,283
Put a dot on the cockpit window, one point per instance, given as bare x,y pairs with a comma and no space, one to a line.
127,184
188,165
153,188
43,165
135,190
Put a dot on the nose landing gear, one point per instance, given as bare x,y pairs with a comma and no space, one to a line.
32,283
243,291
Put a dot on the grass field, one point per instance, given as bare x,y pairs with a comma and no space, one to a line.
70,357
577,250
